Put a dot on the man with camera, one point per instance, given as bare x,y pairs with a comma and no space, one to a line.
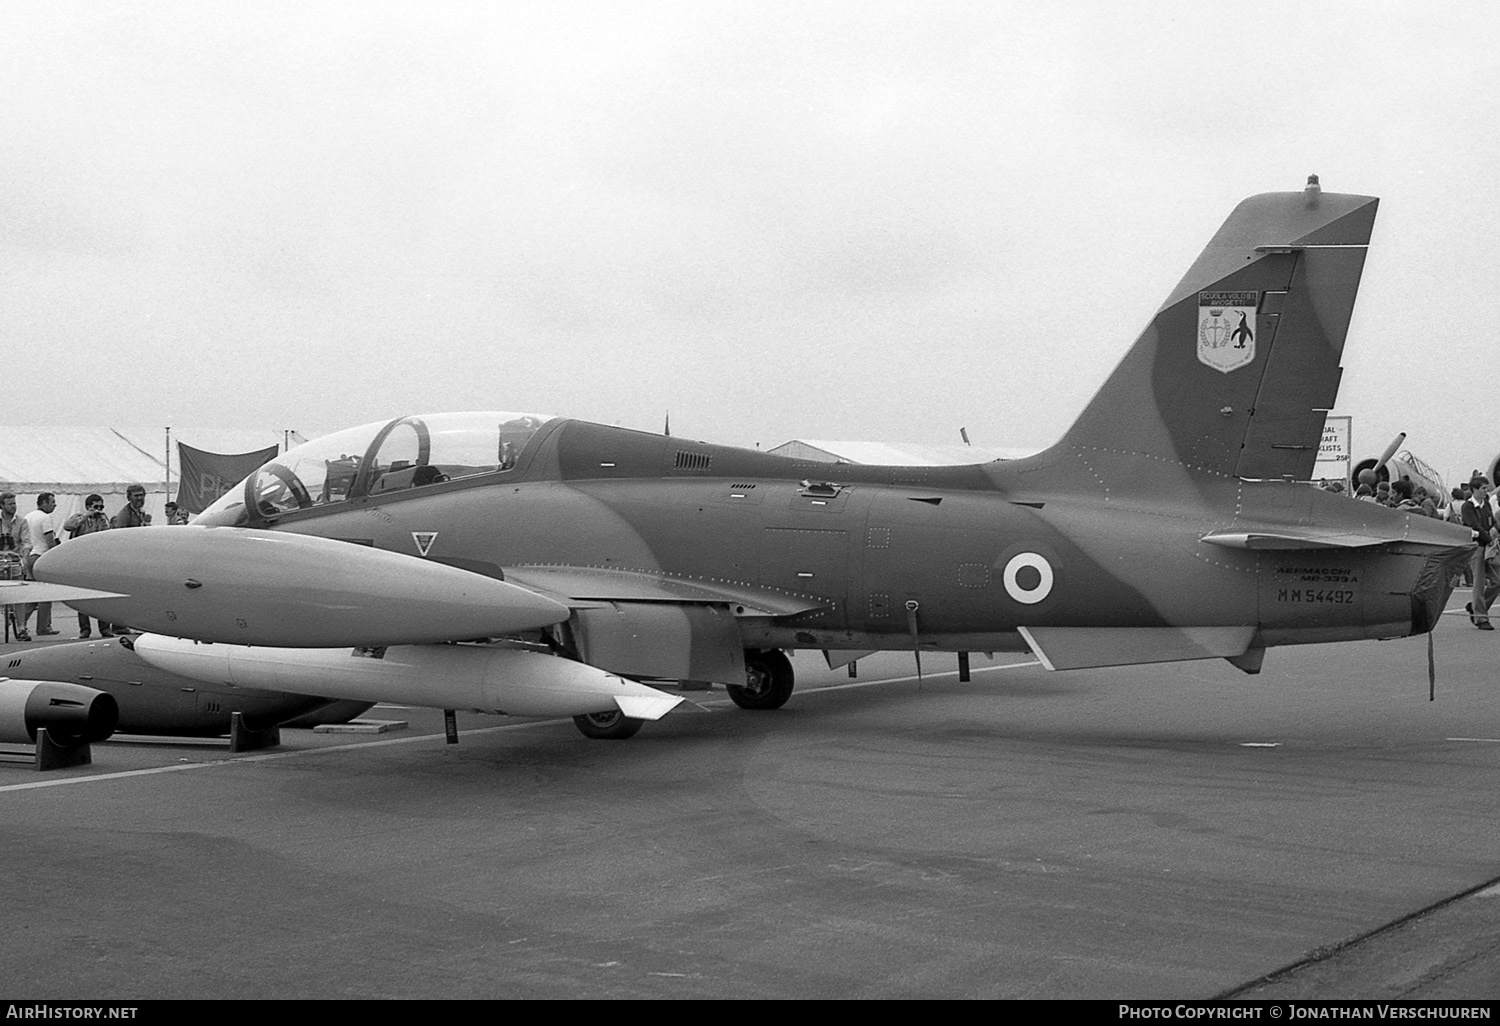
92,519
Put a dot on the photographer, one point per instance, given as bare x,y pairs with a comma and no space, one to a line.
87,522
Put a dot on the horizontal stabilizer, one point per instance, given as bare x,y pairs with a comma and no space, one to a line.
1296,538
1076,648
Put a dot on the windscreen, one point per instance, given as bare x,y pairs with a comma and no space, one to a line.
375,460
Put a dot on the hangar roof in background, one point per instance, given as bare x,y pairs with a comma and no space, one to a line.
96,455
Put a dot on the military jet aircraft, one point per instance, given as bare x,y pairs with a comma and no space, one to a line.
1172,521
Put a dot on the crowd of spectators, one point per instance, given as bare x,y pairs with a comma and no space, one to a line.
1470,504
23,539
1402,495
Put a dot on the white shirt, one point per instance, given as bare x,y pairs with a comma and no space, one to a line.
41,532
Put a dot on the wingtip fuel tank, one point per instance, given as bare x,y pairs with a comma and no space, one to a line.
272,588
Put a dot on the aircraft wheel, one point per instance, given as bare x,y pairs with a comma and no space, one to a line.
768,681
607,726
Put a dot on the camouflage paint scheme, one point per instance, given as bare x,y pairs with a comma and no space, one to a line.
1172,521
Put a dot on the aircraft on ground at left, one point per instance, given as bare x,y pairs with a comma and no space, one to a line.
71,714
156,702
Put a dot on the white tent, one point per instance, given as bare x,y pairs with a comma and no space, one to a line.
72,462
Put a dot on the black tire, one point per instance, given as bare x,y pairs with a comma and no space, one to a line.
607,726
768,680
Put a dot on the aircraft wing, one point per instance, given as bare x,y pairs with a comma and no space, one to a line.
13,593
576,586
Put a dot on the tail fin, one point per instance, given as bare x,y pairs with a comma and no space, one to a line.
1240,365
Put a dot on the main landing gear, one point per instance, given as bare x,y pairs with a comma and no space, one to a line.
768,684
768,680
607,726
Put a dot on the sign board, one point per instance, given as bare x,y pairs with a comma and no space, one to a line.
1335,450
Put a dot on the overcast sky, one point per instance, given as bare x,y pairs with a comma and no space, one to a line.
867,220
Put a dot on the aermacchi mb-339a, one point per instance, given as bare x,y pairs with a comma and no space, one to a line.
1172,521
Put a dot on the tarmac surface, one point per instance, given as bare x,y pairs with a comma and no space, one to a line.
1165,832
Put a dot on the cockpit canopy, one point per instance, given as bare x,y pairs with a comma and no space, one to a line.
375,460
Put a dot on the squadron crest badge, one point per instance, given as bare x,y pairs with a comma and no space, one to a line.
1226,329
424,540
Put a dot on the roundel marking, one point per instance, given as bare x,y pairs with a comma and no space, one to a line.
1022,589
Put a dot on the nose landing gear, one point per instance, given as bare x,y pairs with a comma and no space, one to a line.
607,726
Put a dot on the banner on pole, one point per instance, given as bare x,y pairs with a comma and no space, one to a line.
207,475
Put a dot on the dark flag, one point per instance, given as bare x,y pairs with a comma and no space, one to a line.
208,475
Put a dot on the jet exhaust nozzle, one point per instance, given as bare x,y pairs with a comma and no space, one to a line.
71,713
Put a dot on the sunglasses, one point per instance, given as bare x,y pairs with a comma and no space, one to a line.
96,508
